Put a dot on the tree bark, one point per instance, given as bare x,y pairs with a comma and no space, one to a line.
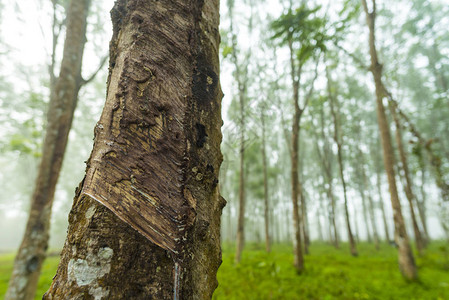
145,223
407,264
63,99
407,182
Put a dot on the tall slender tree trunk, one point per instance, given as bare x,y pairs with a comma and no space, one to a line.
303,200
63,98
421,204
382,207
365,216
406,260
407,182
240,238
356,225
240,235
325,159
373,221
366,187
348,223
333,218
145,223
338,141
318,219
265,188
299,259
304,222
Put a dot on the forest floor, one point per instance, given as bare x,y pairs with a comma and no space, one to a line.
329,274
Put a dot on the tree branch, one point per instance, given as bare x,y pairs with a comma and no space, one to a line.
92,77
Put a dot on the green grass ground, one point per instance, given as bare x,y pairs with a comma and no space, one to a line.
329,274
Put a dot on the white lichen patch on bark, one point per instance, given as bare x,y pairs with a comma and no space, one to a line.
98,292
90,212
88,271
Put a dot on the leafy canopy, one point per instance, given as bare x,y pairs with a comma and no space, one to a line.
301,26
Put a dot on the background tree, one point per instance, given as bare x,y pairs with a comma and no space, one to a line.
406,260
301,30
63,99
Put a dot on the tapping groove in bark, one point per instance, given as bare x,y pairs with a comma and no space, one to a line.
63,99
145,222
407,264
338,140
407,182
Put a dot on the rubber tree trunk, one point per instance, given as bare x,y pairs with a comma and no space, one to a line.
365,216
407,264
240,238
241,82
303,208
325,159
145,223
407,182
297,242
373,221
304,220
356,225
63,98
265,187
338,141
422,203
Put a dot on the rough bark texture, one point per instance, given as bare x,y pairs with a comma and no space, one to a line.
407,182
63,98
145,223
406,260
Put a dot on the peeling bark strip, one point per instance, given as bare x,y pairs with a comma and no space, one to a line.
155,161
145,139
